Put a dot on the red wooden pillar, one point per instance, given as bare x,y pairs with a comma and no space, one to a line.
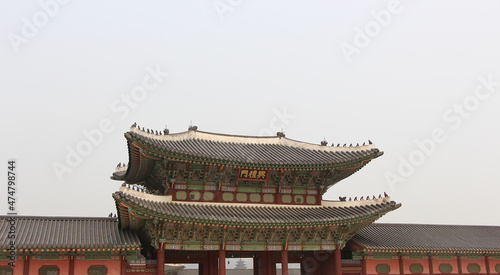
123,266
487,262
257,264
26,265
459,262
265,263
431,267
325,264
284,262
363,265
222,262
401,265
214,263
71,265
272,264
160,260
337,256
203,266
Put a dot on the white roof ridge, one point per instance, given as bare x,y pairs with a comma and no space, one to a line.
200,135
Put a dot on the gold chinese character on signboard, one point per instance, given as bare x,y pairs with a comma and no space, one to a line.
261,175
244,174
252,174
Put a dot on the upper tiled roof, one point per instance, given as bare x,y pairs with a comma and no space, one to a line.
66,233
277,150
424,237
247,214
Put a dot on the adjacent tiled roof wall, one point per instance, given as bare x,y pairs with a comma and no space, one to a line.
276,215
66,233
421,237
254,150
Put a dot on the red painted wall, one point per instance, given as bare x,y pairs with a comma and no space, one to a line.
394,265
493,263
35,265
371,266
481,263
423,262
81,266
452,262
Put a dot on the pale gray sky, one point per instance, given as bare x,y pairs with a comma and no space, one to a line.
395,72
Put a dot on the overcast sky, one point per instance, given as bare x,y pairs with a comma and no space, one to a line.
420,79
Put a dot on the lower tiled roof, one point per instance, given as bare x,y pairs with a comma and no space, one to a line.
66,233
424,237
247,214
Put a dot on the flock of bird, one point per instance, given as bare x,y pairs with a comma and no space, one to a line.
362,198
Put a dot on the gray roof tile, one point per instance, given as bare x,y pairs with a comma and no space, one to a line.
252,150
66,233
254,214
425,237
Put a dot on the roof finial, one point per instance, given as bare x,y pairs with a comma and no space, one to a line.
370,142
166,131
324,142
192,127
280,134
385,195
133,125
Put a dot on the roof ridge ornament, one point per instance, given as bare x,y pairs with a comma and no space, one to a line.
280,134
324,142
192,127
